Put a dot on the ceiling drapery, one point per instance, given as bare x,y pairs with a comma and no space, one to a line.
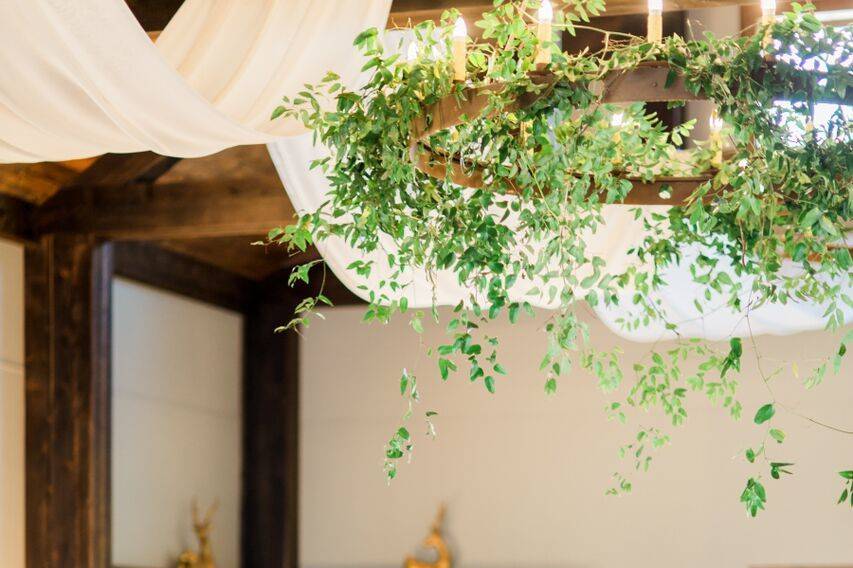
82,78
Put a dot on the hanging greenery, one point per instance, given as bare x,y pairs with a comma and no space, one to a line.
500,197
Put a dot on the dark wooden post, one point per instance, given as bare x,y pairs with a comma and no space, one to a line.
270,436
67,283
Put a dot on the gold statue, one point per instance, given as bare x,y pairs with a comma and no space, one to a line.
204,557
436,542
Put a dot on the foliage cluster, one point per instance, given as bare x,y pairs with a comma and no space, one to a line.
764,228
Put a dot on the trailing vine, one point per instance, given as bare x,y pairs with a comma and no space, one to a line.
764,228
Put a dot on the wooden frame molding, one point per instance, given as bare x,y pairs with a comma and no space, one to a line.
68,402
68,281
142,211
15,218
166,270
270,512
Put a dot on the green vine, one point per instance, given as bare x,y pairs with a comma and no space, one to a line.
784,194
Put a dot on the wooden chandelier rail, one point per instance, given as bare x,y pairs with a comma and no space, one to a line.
645,83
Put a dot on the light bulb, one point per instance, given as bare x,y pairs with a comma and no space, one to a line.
412,52
768,5
655,5
617,119
546,12
460,30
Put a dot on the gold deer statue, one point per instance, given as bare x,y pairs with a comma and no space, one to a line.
436,542
204,557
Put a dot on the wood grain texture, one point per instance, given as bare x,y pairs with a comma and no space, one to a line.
15,217
67,336
238,255
141,212
167,270
36,183
236,192
118,170
407,12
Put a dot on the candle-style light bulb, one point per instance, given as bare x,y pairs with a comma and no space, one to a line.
546,12
460,49
654,28
715,123
545,15
715,127
460,29
768,16
413,52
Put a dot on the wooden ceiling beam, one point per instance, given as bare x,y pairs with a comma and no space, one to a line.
153,15
118,170
237,254
149,264
405,12
165,211
15,215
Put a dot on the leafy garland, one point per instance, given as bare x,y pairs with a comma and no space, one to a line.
785,193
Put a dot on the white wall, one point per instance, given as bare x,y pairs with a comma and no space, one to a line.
524,475
176,424
11,405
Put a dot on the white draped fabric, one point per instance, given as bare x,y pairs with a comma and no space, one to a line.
81,78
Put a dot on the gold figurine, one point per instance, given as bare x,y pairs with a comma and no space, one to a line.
436,542
204,557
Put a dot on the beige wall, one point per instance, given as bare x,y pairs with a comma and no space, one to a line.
11,406
524,475
176,424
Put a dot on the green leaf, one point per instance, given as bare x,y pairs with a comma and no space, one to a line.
404,382
736,346
366,36
777,435
445,366
490,383
551,386
513,312
403,433
811,218
754,497
765,413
